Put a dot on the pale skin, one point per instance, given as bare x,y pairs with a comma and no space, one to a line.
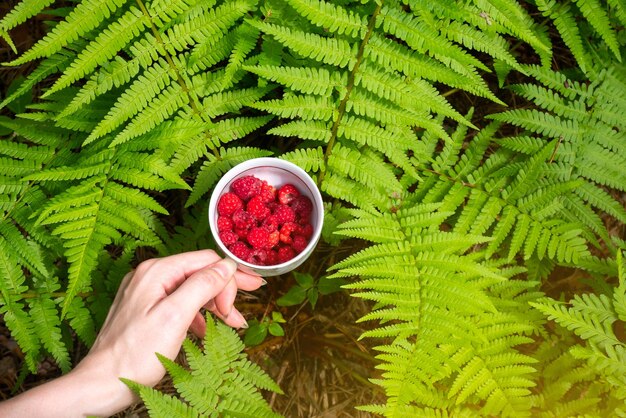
155,306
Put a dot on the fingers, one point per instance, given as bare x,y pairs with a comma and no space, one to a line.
198,325
235,319
171,271
226,298
249,282
199,288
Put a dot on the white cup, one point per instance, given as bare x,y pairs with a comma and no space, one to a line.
277,173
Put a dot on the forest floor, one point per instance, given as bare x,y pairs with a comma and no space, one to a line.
319,362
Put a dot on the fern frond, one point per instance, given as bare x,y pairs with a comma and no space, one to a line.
87,15
305,80
213,168
221,380
331,17
583,320
22,12
104,47
307,107
310,159
593,11
46,324
17,320
330,51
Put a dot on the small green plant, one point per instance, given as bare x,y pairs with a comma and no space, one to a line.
220,381
258,330
306,288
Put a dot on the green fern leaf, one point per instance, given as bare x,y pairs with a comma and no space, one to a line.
87,15
46,324
331,17
305,80
593,11
330,51
104,47
310,159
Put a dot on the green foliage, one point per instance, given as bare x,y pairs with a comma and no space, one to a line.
594,382
258,330
463,220
220,381
307,288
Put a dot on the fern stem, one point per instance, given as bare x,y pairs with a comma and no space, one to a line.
32,295
342,106
179,78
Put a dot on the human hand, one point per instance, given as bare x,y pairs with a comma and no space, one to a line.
154,307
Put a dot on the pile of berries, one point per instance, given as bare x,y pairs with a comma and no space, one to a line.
262,225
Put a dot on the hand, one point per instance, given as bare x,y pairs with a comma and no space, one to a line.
154,307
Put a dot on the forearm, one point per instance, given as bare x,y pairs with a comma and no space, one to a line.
83,392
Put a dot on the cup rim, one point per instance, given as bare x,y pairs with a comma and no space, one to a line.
236,171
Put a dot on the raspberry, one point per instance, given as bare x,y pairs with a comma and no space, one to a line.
287,194
268,193
272,257
228,204
256,207
258,238
242,219
302,206
299,243
270,223
246,187
285,254
284,214
285,232
258,257
273,239
224,224
228,237
261,225
242,233
240,250
306,230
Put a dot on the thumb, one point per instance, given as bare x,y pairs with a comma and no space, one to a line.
200,288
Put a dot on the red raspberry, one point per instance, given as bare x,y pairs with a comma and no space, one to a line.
242,233
306,230
273,239
258,256
256,207
285,232
272,257
224,224
302,206
299,243
287,194
228,237
285,214
258,238
240,250
268,193
270,223
242,219
246,187
228,204
285,254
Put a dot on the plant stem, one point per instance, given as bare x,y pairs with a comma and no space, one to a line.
192,99
342,106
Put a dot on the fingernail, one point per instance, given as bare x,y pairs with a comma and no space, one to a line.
240,317
225,268
263,282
